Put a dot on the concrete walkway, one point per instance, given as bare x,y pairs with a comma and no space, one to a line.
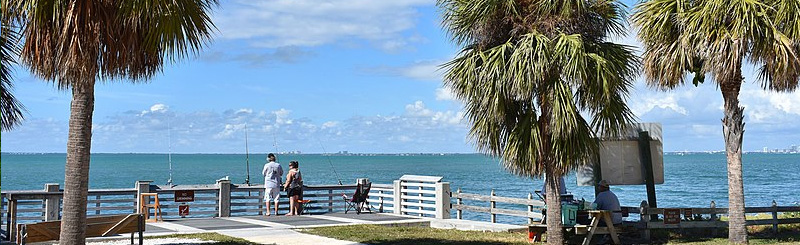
277,229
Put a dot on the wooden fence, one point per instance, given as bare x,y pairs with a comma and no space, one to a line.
534,207
690,217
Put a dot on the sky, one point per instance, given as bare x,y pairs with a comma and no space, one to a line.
321,76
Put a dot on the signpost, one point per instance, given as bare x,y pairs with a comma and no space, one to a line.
183,197
672,216
183,210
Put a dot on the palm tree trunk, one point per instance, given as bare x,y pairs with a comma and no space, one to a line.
76,173
733,129
555,234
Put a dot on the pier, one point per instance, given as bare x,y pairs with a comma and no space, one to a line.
410,200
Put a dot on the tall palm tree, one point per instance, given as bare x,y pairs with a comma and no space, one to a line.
10,108
76,44
716,37
527,72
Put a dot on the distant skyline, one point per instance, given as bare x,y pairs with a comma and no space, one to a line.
342,75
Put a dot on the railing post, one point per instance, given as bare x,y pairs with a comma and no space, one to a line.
458,201
380,198
420,201
51,203
142,186
530,208
492,206
644,218
224,204
398,201
330,201
442,200
714,218
774,217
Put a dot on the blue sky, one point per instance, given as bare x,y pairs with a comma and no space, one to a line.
343,75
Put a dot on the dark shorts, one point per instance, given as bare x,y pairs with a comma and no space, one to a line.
296,191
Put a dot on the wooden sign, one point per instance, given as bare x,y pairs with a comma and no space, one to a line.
672,216
184,196
183,210
687,213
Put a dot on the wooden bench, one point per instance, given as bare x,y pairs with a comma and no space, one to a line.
100,226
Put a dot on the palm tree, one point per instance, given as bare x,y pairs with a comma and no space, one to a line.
75,44
527,72
716,37
11,109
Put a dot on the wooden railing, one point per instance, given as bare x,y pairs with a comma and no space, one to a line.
533,208
689,217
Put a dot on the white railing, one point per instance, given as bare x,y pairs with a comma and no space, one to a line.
415,195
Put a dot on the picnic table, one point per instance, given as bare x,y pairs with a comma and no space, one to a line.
535,230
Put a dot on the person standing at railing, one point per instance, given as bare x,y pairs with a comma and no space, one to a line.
294,187
272,182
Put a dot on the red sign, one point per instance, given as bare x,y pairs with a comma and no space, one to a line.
183,210
672,216
184,196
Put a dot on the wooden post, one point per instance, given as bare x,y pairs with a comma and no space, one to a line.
11,224
142,186
598,175
645,219
398,201
714,218
224,204
442,200
647,161
458,201
261,202
492,206
51,203
774,217
330,201
530,208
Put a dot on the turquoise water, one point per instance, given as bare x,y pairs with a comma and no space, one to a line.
690,180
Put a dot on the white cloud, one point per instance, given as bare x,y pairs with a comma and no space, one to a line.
445,94
305,23
158,108
416,129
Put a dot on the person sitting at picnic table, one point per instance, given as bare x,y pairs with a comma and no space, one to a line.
607,200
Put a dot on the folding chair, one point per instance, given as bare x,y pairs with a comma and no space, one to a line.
359,198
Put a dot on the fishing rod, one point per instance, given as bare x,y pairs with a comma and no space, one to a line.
329,161
247,156
169,154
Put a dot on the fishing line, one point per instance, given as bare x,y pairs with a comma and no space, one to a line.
329,161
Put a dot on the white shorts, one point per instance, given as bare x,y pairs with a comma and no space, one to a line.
272,193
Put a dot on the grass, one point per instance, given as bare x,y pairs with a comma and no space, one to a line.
219,238
372,234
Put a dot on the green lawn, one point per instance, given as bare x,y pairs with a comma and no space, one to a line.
373,234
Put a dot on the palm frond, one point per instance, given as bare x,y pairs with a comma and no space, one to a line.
12,110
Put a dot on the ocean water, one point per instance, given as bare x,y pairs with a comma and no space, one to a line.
691,180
